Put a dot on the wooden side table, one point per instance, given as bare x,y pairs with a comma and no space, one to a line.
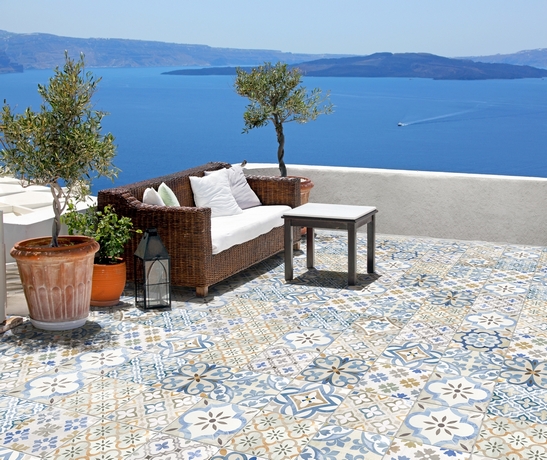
335,216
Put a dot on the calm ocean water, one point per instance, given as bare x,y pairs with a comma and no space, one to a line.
166,123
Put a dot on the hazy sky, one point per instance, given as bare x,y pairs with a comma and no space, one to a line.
444,27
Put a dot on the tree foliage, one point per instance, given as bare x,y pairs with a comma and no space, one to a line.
276,95
60,146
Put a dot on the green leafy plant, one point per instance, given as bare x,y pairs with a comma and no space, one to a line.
61,146
106,227
276,95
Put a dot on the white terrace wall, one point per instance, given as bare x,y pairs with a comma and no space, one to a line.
505,209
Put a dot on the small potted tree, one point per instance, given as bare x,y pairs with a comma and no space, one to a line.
60,146
276,95
112,233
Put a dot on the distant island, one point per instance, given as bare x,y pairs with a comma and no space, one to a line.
410,65
45,51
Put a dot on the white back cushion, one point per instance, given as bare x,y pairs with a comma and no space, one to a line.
214,192
242,191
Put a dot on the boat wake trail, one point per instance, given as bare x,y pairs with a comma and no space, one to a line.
440,117
434,119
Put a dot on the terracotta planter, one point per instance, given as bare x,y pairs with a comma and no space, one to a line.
305,188
108,284
56,281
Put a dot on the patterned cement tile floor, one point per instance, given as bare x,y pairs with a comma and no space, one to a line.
440,355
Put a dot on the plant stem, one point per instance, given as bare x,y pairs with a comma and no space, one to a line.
57,193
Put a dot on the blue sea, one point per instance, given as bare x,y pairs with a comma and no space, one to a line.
167,123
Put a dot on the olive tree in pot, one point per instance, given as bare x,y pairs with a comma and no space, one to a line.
112,233
60,146
276,95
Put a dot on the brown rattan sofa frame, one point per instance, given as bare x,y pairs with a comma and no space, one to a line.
186,230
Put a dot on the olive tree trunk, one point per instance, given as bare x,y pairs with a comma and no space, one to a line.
57,193
281,146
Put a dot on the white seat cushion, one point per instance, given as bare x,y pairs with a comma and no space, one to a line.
227,231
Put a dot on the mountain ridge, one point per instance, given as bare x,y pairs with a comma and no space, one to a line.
535,58
45,51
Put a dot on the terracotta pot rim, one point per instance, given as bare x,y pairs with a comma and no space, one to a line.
305,182
34,244
119,262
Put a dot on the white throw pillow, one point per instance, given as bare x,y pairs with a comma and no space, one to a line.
150,196
167,195
214,192
242,191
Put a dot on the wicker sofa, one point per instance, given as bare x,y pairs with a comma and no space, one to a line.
186,230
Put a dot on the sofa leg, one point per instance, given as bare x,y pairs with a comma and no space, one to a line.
201,291
296,246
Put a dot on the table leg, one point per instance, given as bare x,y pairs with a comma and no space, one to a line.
371,244
310,249
288,250
352,254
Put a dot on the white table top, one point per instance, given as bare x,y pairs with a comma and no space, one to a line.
330,211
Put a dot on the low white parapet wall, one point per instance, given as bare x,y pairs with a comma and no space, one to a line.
505,209
28,212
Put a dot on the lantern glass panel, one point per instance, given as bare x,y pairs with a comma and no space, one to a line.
156,278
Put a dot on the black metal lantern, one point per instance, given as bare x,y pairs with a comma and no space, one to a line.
152,272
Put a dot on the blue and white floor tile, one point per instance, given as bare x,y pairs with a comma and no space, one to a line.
53,385
412,450
372,412
103,440
334,441
412,354
282,361
189,344
335,370
457,391
102,396
165,447
147,368
153,408
520,402
46,431
442,426
8,454
13,411
308,400
100,362
395,381
475,364
507,438
441,354
211,422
